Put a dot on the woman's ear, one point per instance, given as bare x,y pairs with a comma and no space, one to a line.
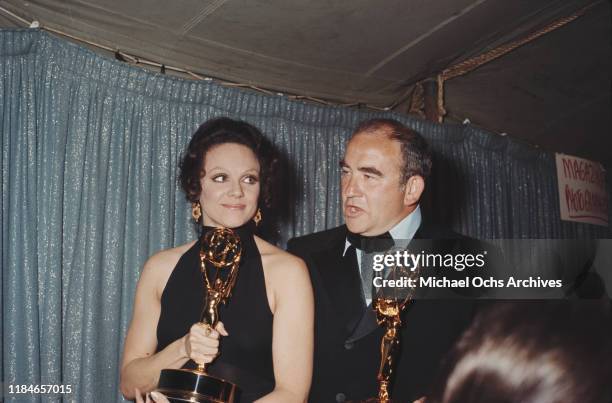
413,190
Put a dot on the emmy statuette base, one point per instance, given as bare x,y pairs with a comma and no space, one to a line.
183,385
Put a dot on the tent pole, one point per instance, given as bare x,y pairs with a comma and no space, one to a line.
430,94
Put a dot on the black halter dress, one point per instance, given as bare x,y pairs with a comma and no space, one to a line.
245,356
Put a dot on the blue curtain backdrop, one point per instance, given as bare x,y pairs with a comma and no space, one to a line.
89,155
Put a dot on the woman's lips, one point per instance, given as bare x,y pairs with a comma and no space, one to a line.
234,206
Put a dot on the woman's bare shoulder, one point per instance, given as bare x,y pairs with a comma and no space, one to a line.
274,258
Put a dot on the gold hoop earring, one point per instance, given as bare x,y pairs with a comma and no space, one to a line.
257,217
196,211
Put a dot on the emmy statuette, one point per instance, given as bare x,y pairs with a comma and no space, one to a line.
388,310
388,313
222,249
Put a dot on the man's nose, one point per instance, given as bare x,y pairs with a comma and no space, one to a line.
351,187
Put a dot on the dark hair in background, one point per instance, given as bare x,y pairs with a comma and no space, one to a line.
224,130
415,150
533,352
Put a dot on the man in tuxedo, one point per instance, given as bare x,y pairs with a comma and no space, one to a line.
383,175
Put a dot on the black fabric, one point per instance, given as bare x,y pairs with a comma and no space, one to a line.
354,314
246,354
369,244
347,357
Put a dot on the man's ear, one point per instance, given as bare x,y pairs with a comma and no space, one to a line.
414,189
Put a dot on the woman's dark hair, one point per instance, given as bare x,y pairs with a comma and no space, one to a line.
533,352
224,130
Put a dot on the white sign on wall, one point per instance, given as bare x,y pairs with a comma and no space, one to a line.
582,190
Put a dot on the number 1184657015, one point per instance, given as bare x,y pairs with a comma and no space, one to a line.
39,389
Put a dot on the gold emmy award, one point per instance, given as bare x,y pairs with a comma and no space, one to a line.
388,314
222,249
388,311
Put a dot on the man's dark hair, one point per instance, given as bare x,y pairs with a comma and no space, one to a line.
544,352
224,130
416,154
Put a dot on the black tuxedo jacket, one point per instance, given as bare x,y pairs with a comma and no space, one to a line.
347,339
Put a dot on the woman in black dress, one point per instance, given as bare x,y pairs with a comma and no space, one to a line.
265,339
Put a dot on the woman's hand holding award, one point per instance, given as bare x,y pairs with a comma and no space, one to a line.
221,248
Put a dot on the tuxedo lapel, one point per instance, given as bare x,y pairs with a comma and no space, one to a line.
342,284
367,324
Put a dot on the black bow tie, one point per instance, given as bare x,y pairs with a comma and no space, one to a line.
370,244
